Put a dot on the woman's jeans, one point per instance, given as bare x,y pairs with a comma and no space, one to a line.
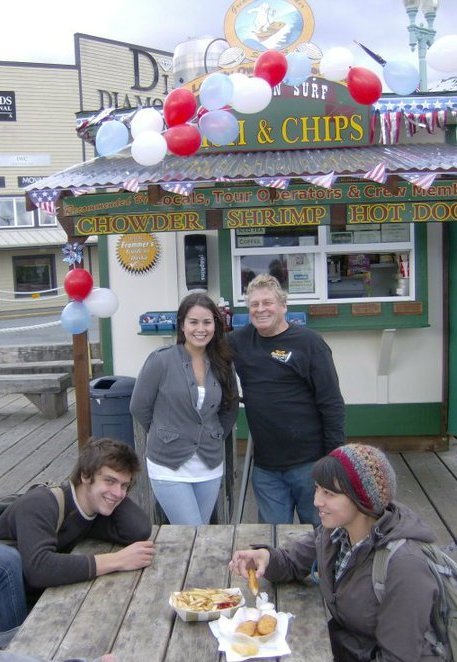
13,609
187,503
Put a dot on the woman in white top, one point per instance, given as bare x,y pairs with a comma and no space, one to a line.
186,399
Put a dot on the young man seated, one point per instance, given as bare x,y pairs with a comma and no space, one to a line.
96,506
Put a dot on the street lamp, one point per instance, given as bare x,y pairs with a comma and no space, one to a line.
419,35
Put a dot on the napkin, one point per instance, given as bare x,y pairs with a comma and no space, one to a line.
224,628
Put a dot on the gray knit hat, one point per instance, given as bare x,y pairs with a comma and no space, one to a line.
370,474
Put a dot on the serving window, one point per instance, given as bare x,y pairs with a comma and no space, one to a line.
322,264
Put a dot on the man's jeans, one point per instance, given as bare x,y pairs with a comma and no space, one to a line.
279,493
13,609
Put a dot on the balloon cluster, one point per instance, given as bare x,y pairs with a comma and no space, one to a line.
183,125
364,85
220,93
401,76
86,301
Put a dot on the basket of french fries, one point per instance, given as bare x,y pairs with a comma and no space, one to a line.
206,604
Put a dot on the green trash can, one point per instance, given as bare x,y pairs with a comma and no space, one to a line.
110,408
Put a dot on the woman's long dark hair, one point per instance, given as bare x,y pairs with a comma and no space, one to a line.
217,350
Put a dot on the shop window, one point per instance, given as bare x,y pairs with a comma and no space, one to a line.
320,264
46,219
14,214
33,274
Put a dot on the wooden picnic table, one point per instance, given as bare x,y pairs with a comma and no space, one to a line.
128,613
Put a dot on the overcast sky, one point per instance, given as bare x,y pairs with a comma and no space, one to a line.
42,30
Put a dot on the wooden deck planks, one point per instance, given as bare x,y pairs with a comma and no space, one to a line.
439,485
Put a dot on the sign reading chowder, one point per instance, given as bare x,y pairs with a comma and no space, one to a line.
256,26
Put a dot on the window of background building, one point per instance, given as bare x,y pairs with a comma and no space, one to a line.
34,274
320,264
14,214
46,219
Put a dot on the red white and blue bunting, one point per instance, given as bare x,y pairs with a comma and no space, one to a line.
429,113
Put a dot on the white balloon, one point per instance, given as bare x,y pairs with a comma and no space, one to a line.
335,63
149,148
252,96
146,119
101,302
238,80
442,54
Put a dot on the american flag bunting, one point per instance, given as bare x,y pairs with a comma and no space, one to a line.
377,174
45,200
131,184
423,181
326,181
273,182
182,188
83,190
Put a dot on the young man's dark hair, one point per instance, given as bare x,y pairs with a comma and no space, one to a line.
104,452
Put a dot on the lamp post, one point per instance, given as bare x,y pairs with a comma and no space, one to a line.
420,35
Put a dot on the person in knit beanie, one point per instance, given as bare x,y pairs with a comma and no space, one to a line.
363,473
355,488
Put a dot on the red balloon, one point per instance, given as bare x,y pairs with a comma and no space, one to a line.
179,106
183,140
364,86
271,66
78,283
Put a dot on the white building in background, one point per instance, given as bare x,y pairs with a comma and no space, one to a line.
38,103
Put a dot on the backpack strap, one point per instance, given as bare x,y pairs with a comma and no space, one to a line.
380,563
379,573
60,498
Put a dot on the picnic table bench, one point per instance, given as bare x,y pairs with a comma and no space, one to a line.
47,391
128,613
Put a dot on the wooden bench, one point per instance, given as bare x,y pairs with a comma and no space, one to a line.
47,391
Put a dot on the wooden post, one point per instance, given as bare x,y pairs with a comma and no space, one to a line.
81,359
81,379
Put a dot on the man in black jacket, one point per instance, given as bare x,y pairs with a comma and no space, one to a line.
293,402
96,505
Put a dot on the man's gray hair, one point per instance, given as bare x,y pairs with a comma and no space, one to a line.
265,281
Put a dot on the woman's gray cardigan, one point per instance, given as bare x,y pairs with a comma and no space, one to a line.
164,401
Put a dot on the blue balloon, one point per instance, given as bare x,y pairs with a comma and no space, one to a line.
216,91
111,137
75,317
401,77
298,69
219,126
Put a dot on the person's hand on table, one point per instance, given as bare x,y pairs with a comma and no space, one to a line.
133,557
137,555
250,558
